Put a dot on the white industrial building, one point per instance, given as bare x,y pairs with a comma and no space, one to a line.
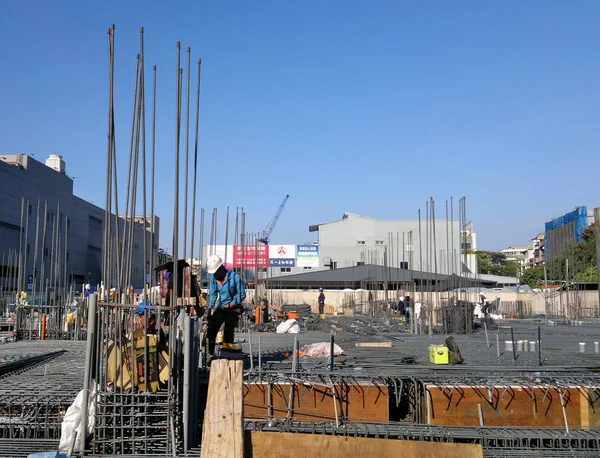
76,224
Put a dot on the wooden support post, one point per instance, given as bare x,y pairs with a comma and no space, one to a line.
223,429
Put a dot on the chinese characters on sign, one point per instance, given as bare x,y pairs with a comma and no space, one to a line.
251,256
282,255
282,262
307,256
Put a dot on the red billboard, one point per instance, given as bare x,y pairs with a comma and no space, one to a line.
251,256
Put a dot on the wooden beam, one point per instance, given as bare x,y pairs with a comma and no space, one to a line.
291,445
223,429
373,344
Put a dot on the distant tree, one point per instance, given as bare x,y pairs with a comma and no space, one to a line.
580,257
534,277
495,263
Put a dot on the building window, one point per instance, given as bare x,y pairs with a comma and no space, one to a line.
378,242
360,263
286,269
308,268
333,265
361,242
262,269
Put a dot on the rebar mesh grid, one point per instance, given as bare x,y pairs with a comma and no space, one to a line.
493,440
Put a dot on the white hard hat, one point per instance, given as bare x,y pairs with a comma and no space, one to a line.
213,263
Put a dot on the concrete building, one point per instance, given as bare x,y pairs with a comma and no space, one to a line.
566,229
357,240
70,221
518,254
537,252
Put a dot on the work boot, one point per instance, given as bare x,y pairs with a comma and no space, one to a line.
231,347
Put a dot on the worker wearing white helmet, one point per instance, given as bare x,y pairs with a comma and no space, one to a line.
225,298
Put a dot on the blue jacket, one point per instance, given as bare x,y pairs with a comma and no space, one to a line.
231,292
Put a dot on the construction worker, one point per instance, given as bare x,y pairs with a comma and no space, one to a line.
321,301
225,298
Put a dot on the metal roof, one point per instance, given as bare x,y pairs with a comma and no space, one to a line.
359,273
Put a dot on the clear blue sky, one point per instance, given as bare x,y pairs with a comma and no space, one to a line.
363,107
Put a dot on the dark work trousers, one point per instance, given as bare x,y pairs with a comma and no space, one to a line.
321,308
219,316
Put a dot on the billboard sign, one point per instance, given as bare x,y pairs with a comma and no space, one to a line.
251,256
282,256
307,256
225,252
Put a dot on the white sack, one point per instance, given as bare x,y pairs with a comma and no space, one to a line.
72,422
320,350
284,327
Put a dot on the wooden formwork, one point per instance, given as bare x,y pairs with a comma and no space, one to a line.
520,406
291,445
312,402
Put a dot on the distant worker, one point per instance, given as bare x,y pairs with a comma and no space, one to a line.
225,299
321,301
401,306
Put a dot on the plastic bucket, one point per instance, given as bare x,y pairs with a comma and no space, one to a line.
292,315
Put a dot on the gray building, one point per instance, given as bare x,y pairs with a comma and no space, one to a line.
358,240
70,249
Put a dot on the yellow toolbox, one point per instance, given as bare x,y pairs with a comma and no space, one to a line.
438,354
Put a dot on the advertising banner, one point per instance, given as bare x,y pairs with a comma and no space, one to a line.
282,255
251,256
307,256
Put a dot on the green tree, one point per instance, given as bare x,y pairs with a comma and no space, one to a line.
534,277
494,263
581,257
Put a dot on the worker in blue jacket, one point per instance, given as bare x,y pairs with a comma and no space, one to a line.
225,299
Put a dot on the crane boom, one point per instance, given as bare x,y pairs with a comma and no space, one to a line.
266,235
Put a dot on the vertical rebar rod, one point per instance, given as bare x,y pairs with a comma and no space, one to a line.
152,228
514,347
194,185
540,346
187,153
87,375
498,345
175,275
331,351
26,250
146,271
20,279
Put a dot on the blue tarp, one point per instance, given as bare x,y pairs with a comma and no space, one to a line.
577,216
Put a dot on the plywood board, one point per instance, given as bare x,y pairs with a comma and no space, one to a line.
223,429
502,406
290,445
353,403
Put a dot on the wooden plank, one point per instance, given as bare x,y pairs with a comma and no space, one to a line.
223,430
373,344
512,406
291,445
593,408
353,403
585,411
